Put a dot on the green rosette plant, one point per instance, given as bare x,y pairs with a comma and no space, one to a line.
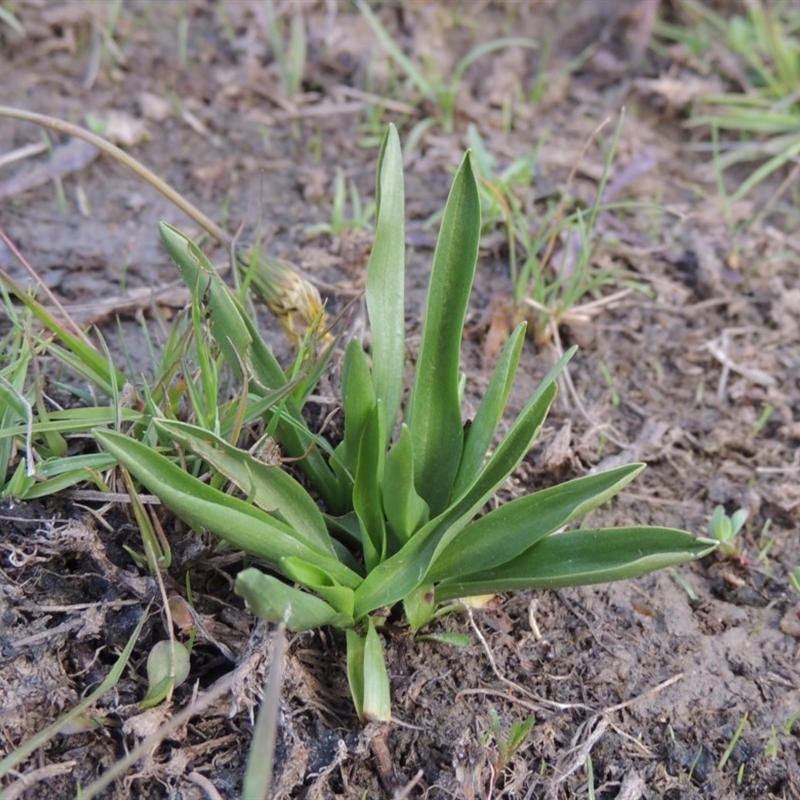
395,517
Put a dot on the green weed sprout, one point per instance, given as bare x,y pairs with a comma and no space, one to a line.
724,529
400,497
360,214
507,744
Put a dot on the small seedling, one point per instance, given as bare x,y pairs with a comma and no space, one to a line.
360,216
725,528
507,744
794,579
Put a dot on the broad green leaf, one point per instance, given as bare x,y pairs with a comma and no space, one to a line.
342,598
419,606
237,522
406,512
504,533
385,289
367,490
269,487
481,432
275,601
168,665
580,557
435,419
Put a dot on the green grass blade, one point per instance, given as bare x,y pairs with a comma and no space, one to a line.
261,759
485,48
391,47
435,420
385,281
502,534
576,558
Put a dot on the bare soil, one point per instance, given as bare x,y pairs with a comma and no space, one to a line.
697,375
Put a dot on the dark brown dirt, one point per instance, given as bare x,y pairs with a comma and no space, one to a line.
652,677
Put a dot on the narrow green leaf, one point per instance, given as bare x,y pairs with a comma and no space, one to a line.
377,700
435,420
406,512
385,289
358,400
504,533
480,434
452,638
203,507
367,490
355,669
275,601
269,487
576,558
394,50
79,354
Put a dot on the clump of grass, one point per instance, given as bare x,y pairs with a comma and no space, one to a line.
760,114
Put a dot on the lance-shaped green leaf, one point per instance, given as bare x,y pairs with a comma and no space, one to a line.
406,512
269,487
385,289
367,675
342,598
481,432
203,507
227,317
396,577
367,489
275,601
504,533
580,557
435,419
358,399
